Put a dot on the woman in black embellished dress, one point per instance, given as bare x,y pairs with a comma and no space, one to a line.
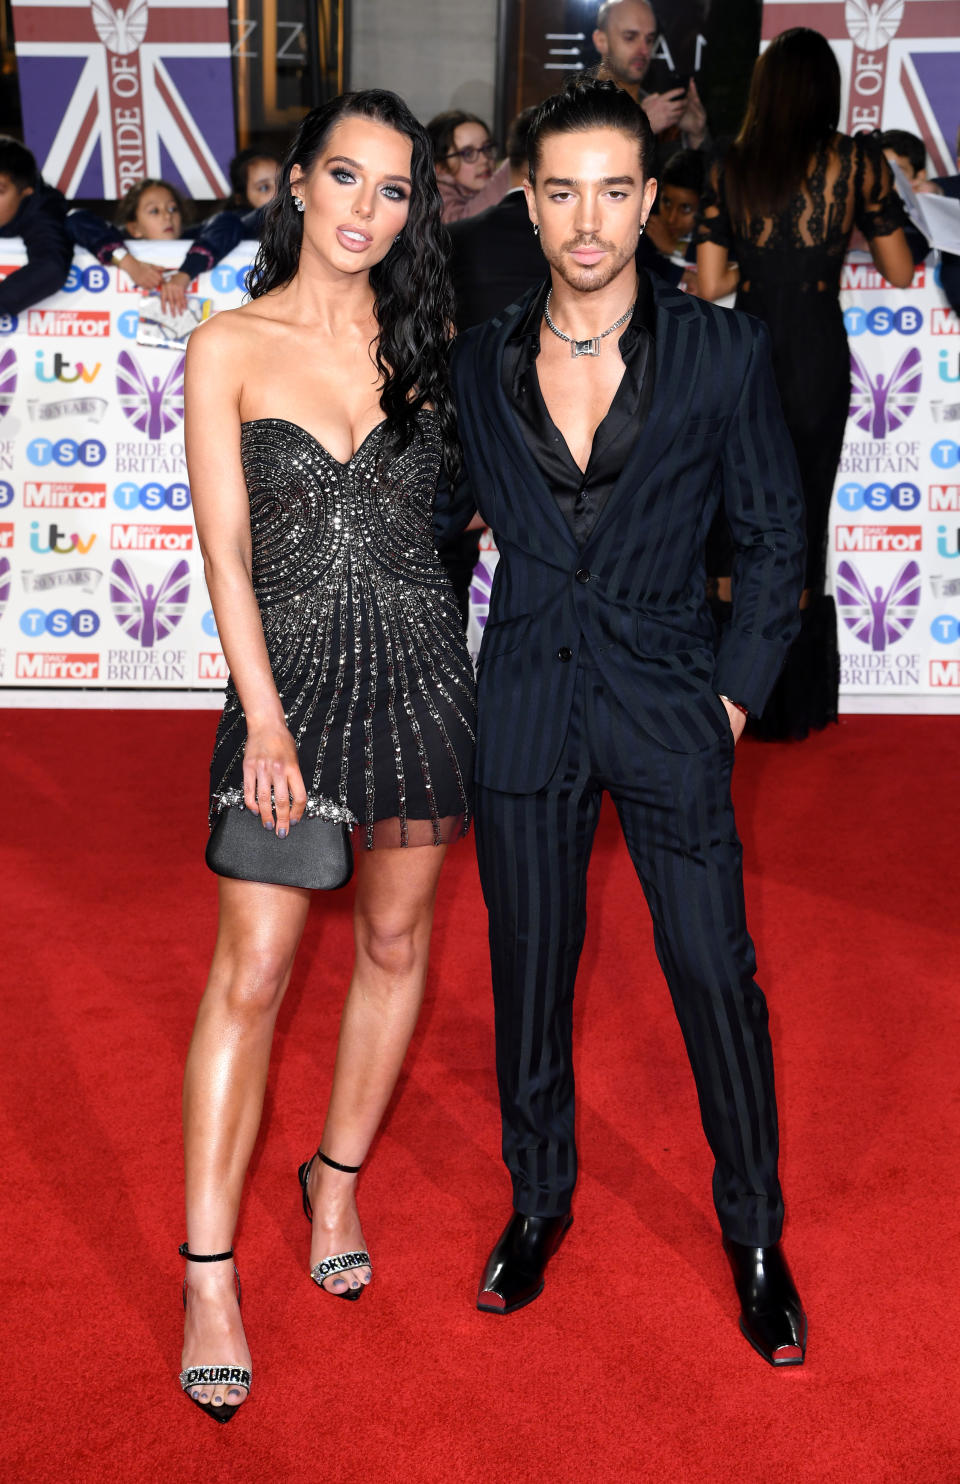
317,420
776,219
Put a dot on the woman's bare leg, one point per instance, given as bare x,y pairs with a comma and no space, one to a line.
393,916
223,1089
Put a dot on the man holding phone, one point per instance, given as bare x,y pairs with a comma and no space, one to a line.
625,36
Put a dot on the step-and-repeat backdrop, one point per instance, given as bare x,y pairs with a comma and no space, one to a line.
101,580
102,597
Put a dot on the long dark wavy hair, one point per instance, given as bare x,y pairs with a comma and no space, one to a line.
413,299
792,111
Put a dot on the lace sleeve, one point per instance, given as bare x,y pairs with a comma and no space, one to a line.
713,223
878,210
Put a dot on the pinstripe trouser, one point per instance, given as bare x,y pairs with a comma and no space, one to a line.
677,819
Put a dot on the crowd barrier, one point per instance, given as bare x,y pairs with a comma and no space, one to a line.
102,597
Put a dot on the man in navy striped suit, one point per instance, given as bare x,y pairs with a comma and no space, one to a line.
604,418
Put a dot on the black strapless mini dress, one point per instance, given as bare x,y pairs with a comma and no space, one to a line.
363,632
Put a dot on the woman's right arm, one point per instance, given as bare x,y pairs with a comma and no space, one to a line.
215,351
716,274
880,215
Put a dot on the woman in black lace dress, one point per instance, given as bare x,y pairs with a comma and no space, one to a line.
776,218
317,419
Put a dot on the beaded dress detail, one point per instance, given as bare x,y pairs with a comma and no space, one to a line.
363,632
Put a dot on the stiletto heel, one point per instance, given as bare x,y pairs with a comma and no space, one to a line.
343,1262
213,1375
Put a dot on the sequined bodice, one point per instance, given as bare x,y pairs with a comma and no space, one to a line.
363,634
315,522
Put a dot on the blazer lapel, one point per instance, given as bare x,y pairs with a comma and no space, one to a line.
678,337
496,410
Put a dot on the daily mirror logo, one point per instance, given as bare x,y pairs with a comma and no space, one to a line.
50,495
50,666
879,538
151,538
75,324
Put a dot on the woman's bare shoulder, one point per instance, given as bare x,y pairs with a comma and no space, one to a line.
222,334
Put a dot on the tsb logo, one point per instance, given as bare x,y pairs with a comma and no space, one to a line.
226,279
66,451
878,497
945,629
883,320
94,279
61,623
152,496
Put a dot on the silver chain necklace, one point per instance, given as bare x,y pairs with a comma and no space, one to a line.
584,347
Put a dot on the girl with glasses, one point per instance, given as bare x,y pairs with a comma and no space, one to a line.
464,155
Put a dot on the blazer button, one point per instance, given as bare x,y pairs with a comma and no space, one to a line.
564,654
582,575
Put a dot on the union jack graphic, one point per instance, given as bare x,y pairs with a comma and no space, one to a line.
899,60
111,93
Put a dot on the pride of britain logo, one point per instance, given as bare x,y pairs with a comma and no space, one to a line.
8,380
878,618
879,404
153,406
4,583
148,614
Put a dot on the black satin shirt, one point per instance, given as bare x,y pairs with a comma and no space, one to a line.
582,494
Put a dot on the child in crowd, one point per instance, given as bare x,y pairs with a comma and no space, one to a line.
253,176
154,211
31,209
910,153
678,201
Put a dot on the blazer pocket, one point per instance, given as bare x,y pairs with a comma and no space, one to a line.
502,637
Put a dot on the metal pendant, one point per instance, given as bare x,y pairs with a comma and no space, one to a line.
585,347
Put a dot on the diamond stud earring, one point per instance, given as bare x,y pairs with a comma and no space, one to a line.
298,202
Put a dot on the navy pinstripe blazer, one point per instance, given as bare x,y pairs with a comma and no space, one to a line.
636,592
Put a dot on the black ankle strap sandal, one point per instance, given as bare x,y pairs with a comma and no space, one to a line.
216,1378
341,1262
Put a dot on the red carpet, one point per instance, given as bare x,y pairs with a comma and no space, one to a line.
630,1366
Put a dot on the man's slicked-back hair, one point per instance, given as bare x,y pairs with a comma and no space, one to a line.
587,102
